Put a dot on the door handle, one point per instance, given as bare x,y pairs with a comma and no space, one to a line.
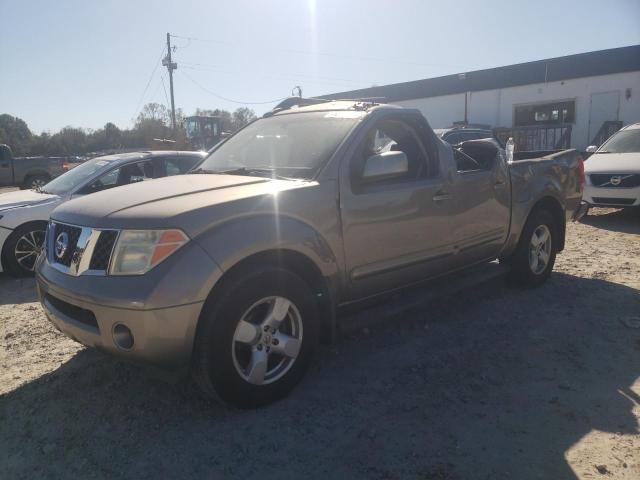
440,196
499,183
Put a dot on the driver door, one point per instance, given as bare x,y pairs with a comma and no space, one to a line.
395,231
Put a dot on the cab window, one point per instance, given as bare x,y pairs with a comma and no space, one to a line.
399,135
178,165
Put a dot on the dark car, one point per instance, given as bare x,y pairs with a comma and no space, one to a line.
456,135
29,172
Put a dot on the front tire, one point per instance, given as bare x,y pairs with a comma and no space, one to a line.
535,255
256,337
22,248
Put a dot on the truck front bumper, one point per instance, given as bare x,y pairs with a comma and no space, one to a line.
161,337
150,318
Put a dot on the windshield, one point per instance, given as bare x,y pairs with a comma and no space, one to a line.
76,176
293,145
625,141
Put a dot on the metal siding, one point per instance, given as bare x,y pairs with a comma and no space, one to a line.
602,62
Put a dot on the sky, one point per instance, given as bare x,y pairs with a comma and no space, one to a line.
85,63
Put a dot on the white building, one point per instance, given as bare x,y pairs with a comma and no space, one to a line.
576,101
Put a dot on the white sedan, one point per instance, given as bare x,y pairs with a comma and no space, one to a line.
613,171
24,214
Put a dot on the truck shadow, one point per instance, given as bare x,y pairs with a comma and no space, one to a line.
496,384
17,290
625,221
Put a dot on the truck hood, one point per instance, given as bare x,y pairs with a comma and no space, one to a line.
189,202
24,198
613,163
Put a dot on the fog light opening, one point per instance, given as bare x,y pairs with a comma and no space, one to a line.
122,337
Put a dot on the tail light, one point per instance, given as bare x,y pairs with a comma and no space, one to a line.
583,179
65,165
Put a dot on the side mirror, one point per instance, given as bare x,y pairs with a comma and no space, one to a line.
591,149
385,165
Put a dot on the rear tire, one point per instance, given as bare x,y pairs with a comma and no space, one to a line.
535,255
22,248
238,358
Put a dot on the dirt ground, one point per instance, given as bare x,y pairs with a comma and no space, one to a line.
498,384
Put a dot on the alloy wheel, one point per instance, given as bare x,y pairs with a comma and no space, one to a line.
267,340
28,248
38,183
540,249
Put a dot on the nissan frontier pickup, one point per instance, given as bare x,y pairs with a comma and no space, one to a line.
234,272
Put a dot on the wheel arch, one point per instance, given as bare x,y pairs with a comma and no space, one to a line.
296,262
554,207
3,250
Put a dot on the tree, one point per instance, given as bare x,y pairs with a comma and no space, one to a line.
70,140
15,133
241,117
154,111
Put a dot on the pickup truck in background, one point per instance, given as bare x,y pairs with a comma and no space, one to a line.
28,172
236,270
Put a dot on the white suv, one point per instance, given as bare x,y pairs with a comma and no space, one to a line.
613,171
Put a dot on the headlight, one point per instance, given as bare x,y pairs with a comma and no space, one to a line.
138,251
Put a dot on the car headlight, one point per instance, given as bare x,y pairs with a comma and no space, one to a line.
138,251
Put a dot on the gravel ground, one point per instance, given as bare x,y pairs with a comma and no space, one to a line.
500,384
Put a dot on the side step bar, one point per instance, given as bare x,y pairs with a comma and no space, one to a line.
418,297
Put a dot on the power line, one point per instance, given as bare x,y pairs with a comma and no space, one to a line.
153,72
314,78
293,77
329,54
166,97
182,72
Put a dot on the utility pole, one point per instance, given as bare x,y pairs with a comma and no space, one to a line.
171,66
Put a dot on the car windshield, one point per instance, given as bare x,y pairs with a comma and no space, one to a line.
625,141
292,145
76,177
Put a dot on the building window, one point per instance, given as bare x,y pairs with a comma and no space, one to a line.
552,113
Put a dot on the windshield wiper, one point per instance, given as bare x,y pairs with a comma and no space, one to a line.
250,171
204,171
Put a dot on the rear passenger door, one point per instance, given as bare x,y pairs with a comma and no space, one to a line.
395,231
482,208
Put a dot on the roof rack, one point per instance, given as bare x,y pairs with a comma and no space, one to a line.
291,102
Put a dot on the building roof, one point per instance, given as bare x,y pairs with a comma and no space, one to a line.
601,62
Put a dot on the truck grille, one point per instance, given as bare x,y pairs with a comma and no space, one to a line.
88,251
102,251
73,235
615,180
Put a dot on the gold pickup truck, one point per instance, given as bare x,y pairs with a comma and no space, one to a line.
234,271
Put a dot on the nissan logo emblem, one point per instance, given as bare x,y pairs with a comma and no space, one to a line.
616,180
62,244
